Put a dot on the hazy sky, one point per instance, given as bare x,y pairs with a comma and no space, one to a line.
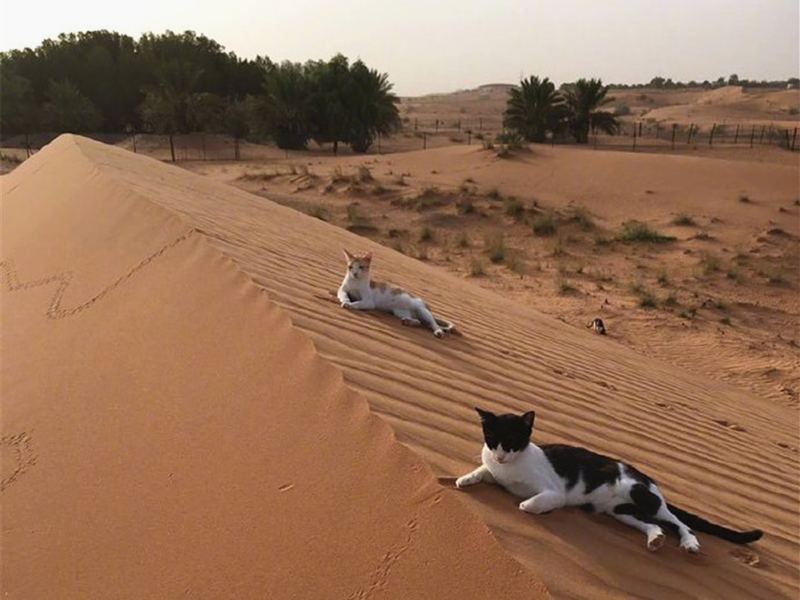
447,45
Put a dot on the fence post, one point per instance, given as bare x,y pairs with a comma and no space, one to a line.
711,137
794,138
736,137
640,129
469,137
786,131
674,129
761,137
752,135
634,136
691,131
658,128
415,123
437,125
172,147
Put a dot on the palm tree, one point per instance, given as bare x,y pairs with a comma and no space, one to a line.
288,106
584,99
534,108
372,106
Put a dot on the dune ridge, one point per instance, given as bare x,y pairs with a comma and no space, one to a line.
167,432
715,449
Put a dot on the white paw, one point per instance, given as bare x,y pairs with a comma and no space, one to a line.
438,333
347,304
529,506
655,540
467,480
690,545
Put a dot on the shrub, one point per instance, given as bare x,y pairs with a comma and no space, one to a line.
476,268
494,194
709,263
496,248
426,235
565,287
683,221
318,212
364,174
544,224
582,216
515,209
463,240
465,206
636,231
648,300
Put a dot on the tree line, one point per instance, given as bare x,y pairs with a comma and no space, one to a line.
177,83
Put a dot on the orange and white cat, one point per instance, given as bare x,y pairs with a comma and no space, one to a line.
359,292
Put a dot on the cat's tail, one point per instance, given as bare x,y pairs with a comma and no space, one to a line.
700,524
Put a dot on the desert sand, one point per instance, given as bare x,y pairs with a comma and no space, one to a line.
212,424
169,432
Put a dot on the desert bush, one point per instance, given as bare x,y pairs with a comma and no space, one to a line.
476,268
494,194
318,212
515,209
663,279
565,287
426,235
495,247
465,206
544,224
744,198
683,221
636,231
622,110
582,216
709,263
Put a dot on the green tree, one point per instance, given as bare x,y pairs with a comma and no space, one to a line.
331,90
18,112
287,106
69,111
585,99
372,107
534,108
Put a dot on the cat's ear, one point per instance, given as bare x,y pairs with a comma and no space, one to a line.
347,255
485,415
367,257
528,418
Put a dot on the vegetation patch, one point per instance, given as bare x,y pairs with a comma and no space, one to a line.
636,231
495,248
544,224
684,220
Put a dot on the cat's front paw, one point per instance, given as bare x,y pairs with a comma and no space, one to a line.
347,304
467,480
690,545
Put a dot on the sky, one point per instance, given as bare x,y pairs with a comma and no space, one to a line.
442,46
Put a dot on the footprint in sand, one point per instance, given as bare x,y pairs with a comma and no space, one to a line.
786,446
746,557
729,425
664,405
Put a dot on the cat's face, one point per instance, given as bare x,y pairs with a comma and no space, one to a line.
358,266
506,435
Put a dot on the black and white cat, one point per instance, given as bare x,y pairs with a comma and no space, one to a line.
555,475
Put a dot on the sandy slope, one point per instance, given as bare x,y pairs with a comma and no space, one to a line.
715,449
167,432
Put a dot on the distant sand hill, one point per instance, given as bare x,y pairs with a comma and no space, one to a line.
184,415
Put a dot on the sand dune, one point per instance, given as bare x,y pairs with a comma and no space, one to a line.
715,449
167,432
